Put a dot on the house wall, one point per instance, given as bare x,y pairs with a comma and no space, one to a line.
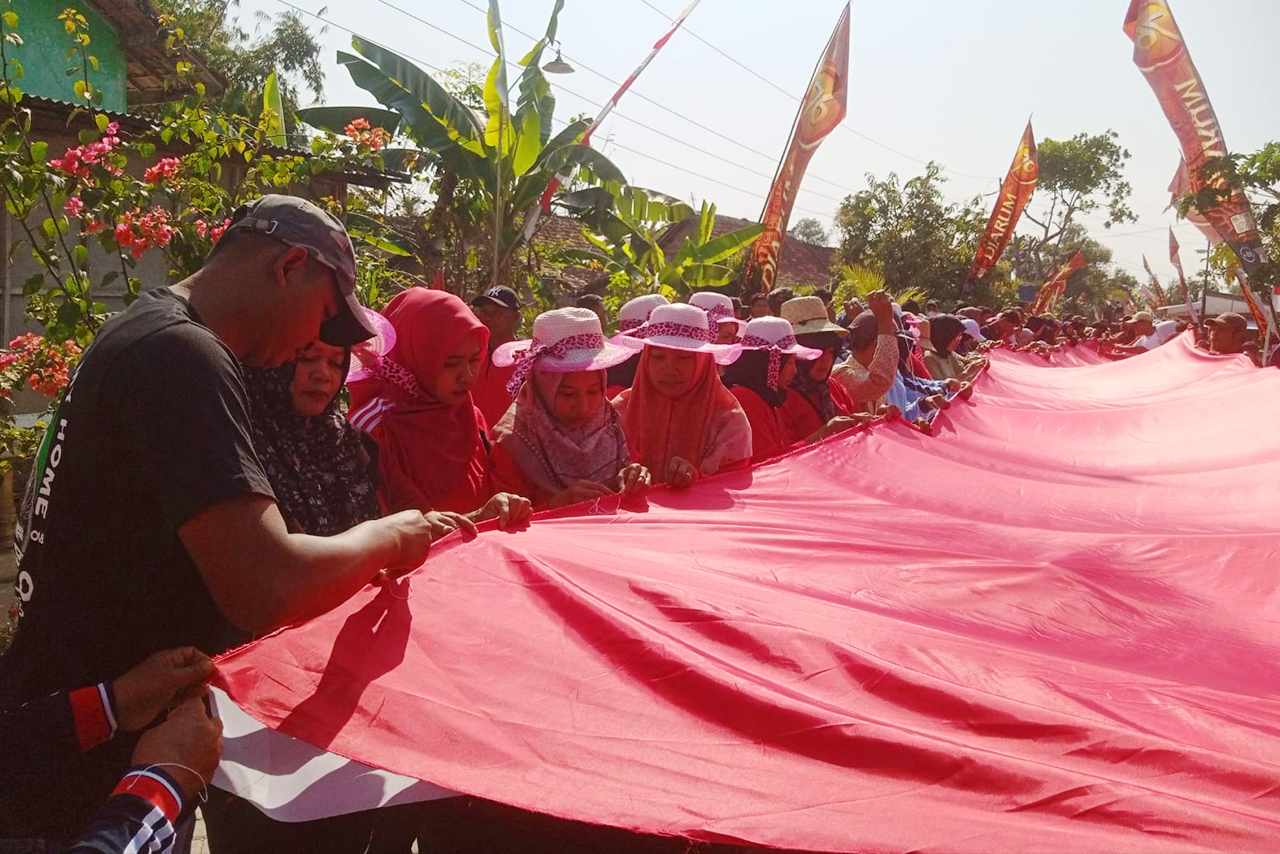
44,54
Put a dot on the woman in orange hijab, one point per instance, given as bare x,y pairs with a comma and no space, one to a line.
433,454
679,419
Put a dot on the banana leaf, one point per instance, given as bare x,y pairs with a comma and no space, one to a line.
726,245
451,114
272,121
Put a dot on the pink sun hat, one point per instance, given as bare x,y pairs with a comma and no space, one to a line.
680,327
367,355
564,341
635,313
719,308
776,335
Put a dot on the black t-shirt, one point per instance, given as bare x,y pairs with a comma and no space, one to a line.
153,430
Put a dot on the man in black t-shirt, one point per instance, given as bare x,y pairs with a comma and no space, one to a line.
148,521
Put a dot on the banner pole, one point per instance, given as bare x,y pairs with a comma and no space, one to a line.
1204,290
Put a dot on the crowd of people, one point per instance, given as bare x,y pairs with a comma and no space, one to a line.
203,482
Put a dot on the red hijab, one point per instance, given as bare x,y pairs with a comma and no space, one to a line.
659,428
430,453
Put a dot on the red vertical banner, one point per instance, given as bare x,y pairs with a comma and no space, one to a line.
1255,307
824,106
1158,295
1056,287
1175,258
1160,52
1016,191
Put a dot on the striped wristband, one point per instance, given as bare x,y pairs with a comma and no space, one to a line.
93,711
153,786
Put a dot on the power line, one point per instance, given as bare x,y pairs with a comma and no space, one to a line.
636,93
793,97
634,151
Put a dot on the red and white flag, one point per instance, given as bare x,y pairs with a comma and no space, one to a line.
544,204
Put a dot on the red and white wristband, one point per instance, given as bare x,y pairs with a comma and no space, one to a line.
93,710
153,786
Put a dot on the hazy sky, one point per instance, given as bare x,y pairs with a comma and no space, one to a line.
948,80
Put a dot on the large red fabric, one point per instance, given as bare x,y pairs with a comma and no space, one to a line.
1054,625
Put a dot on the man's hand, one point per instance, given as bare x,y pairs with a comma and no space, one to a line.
511,511
953,385
881,306
411,532
146,691
634,479
935,401
189,737
680,473
443,523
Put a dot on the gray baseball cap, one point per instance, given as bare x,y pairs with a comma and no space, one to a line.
297,222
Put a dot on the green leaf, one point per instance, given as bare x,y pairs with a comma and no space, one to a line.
378,242
87,136
33,284
39,151
336,119
11,19
436,120
101,120
706,223
562,159
109,278
498,131
69,314
49,228
147,149
94,63
80,254
272,121
528,143
81,88
727,244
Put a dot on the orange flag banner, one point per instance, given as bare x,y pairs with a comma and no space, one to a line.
1019,184
824,106
1161,54
1175,257
1047,299
1156,291
1255,307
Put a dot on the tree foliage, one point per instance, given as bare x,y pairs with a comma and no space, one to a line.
909,234
1258,175
1078,176
628,226
489,166
810,230
282,44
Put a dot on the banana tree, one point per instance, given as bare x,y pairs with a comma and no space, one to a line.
627,226
490,170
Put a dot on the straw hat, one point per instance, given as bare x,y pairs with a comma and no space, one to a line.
680,327
719,308
564,341
808,315
635,312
